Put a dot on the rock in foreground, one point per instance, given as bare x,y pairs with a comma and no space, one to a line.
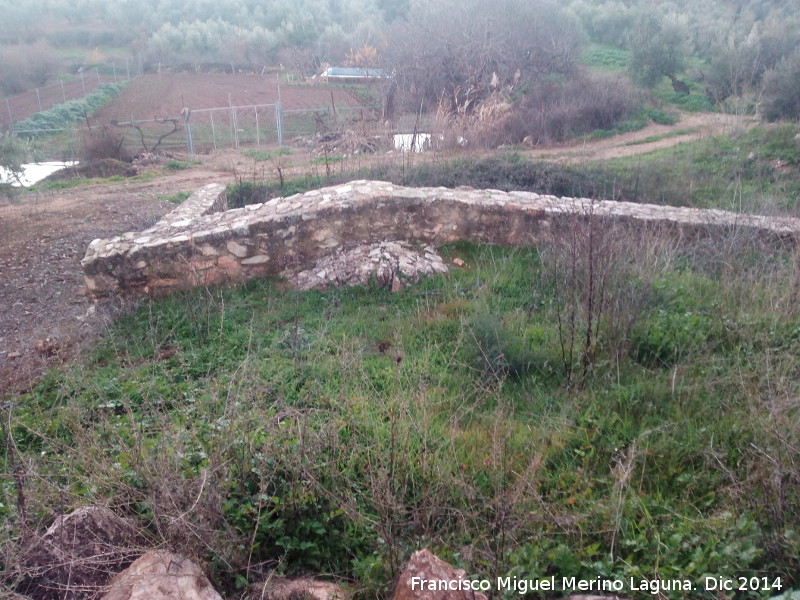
425,571
160,575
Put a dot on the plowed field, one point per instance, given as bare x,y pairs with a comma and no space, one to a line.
165,95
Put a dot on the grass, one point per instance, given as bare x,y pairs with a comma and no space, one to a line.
639,120
755,171
341,429
177,165
79,182
606,57
328,158
664,136
695,101
259,155
177,198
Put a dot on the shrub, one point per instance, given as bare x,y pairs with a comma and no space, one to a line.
782,89
556,110
176,165
498,353
25,66
103,142
12,155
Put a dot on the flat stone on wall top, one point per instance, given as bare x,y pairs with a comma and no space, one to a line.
202,243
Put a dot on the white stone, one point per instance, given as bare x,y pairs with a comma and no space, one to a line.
256,260
237,249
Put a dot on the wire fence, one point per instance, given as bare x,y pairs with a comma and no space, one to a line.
203,130
207,129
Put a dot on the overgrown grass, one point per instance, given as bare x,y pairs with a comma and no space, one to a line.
607,57
178,165
340,430
695,101
641,119
328,158
754,171
259,155
79,182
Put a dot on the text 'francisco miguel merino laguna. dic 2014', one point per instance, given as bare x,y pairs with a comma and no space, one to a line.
598,584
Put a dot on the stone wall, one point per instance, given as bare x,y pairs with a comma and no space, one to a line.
202,243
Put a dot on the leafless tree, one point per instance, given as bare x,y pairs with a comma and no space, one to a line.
454,54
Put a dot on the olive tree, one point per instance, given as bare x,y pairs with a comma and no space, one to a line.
659,46
782,89
13,154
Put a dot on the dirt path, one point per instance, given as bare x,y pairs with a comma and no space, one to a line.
44,319
695,125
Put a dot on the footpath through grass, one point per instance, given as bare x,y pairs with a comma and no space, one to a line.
493,414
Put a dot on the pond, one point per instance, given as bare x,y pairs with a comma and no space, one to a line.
34,172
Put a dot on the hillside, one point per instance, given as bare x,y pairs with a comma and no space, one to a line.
505,431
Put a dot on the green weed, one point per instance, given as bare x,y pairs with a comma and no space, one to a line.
177,165
176,198
259,155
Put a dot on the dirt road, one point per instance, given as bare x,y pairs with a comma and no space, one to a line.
695,125
44,319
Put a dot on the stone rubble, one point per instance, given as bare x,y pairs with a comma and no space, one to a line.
388,264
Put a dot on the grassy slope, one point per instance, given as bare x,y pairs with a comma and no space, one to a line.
338,431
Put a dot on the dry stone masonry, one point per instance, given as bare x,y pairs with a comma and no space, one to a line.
346,234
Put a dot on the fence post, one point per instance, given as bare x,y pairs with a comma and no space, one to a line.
279,122
38,99
96,72
63,91
113,66
83,85
185,112
235,127
213,132
258,139
10,118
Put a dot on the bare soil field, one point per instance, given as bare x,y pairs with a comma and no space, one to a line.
45,319
165,95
